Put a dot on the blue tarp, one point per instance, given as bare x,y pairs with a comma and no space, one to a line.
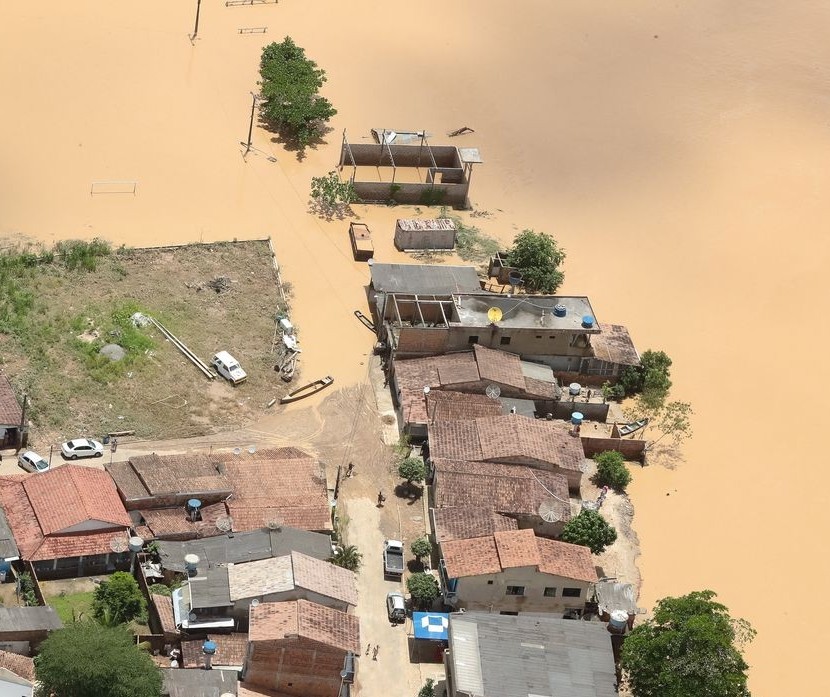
431,625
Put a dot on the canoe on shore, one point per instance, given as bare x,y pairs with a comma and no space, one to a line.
307,390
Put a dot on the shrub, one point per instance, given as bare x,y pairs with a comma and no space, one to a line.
611,470
421,547
412,469
591,530
423,588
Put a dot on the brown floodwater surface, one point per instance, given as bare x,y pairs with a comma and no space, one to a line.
678,151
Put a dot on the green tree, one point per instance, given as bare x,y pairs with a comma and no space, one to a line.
348,557
413,470
289,85
421,547
85,659
611,470
691,646
537,256
427,689
118,599
591,530
673,420
423,588
330,196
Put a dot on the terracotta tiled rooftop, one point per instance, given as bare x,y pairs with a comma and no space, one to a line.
307,620
465,523
507,438
175,523
230,650
509,489
445,405
613,344
66,496
262,577
11,413
164,607
175,474
567,560
492,554
499,366
22,666
59,499
324,578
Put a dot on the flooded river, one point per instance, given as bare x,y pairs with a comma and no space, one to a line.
677,150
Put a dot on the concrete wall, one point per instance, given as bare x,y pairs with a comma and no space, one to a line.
173,500
295,667
476,593
592,411
632,450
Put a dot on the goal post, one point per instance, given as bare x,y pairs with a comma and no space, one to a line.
113,186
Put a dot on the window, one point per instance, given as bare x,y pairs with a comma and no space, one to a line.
538,336
472,339
571,592
508,612
515,590
490,582
505,340
552,337
550,592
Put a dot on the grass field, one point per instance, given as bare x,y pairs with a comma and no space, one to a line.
72,606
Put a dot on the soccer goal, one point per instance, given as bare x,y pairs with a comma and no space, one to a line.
113,186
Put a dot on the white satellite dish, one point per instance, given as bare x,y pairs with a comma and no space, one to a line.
119,544
224,523
237,451
493,391
549,510
252,449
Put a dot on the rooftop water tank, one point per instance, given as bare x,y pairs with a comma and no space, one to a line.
210,646
560,310
574,389
618,622
191,561
135,544
576,418
587,321
193,508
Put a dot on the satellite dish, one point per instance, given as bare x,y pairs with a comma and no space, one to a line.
252,449
274,524
237,451
255,602
224,523
493,391
119,544
494,314
549,510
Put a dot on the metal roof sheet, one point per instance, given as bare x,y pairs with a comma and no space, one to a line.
424,279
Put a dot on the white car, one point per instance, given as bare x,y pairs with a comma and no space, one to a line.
32,462
228,367
81,447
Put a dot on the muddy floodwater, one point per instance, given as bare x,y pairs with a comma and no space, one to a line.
679,152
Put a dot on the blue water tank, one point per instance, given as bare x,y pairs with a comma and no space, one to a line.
576,418
209,647
587,321
560,310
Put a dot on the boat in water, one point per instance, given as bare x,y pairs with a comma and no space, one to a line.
633,427
307,390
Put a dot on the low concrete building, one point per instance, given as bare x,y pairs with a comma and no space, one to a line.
516,572
68,521
417,233
501,656
514,440
534,499
300,648
22,629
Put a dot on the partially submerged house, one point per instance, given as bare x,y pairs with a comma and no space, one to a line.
481,372
533,499
559,331
424,233
68,521
181,497
301,648
511,439
504,656
512,572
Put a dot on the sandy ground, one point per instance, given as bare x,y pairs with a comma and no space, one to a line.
677,151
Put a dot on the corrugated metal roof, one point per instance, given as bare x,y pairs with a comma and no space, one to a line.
8,548
28,619
509,656
424,279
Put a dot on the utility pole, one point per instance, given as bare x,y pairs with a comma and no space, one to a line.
251,123
196,26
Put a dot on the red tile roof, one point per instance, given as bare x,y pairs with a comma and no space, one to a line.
508,489
301,618
70,495
22,666
464,523
175,522
164,608
443,405
36,500
230,650
11,414
491,555
499,366
507,438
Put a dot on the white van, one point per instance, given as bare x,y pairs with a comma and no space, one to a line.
228,367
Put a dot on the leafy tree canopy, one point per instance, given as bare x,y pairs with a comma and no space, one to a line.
537,256
289,85
412,469
421,547
591,530
691,646
85,659
348,557
118,599
423,588
611,470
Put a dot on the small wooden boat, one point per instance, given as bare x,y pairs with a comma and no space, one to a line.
628,429
307,390
364,320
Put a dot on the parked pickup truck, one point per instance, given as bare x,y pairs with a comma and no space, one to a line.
393,557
